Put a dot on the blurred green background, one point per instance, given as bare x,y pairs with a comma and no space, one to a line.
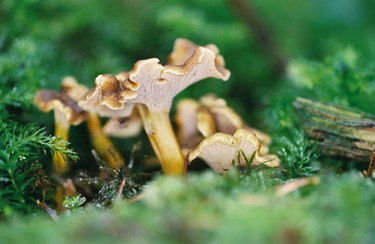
51,39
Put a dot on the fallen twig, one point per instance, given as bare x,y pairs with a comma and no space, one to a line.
49,211
295,184
120,189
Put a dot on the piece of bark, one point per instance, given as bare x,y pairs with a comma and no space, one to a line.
339,131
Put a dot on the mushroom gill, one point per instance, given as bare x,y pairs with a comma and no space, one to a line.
222,151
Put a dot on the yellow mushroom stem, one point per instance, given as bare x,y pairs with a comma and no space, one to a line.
163,140
102,144
60,163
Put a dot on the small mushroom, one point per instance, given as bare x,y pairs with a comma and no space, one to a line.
222,151
152,87
67,112
125,126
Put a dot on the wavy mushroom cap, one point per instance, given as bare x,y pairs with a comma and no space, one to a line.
152,84
211,100
122,76
270,160
226,119
263,137
65,107
109,95
206,122
159,84
183,49
72,88
220,151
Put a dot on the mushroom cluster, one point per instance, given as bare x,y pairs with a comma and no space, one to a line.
150,88
210,125
67,113
207,129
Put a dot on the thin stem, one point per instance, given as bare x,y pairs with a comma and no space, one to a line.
60,162
163,140
262,35
102,144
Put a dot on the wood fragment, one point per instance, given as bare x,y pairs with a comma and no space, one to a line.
338,131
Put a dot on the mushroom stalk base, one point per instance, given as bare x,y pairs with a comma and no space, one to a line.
102,144
163,140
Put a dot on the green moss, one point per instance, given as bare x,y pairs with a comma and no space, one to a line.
199,209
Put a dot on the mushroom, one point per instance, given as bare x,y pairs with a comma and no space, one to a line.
218,117
125,126
108,97
222,151
193,123
152,87
67,112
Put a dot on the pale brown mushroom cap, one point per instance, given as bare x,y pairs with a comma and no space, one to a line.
186,121
270,160
65,107
183,49
159,84
263,137
124,127
226,119
72,88
122,76
221,150
206,122
109,96
211,100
